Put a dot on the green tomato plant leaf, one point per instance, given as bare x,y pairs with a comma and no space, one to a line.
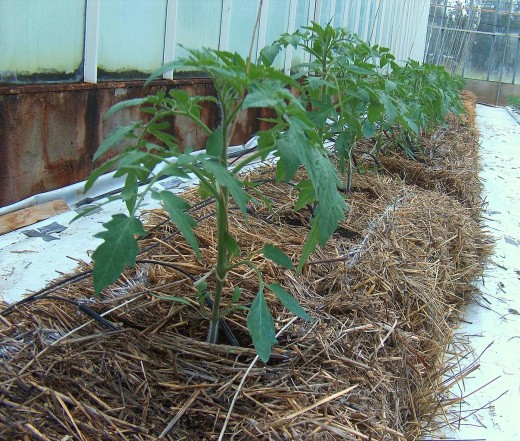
226,179
277,256
116,137
176,208
118,250
135,102
289,302
261,327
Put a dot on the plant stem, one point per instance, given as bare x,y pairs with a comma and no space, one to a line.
221,269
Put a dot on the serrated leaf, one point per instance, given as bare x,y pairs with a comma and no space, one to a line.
129,193
123,104
261,327
289,158
176,206
265,94
214,145
117,251
368,128
114,138
269,53
277,256
289,302
229,181
324,177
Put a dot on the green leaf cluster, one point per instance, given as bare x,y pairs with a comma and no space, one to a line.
348,90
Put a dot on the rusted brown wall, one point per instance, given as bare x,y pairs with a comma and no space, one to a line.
49,133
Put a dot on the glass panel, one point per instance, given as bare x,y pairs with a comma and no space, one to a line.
277,22
363,19
516,77
198,25
41,41
514,25
487,17
501,53
242,24
131,38
476,66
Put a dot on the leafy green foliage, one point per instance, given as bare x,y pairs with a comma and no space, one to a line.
261,326
277,256
349,90
176,208
117,251
289,302
239,85
513,101
354,90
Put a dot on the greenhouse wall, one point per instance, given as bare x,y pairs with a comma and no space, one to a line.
479,39
63,63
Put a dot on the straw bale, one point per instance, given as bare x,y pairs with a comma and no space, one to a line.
384,293
450,163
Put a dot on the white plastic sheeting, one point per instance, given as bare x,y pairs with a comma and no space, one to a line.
492,326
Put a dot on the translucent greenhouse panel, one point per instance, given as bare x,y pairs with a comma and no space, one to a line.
502,62
338,14
242,23
354,8
516,76
41,41
362,24
198,25
131,38
476,66
277,22
325,12
302,19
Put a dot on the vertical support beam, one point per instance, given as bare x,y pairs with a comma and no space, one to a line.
344,19
332,11
387,17
317,10
170,35
506,41
357,17
225,23
291,27
91,41
262,28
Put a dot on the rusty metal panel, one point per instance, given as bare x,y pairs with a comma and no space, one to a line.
50,132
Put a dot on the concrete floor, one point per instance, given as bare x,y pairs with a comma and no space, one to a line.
493,322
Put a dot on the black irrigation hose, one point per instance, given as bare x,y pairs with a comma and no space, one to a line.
85,309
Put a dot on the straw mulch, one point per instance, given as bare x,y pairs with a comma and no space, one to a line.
450,160
384,294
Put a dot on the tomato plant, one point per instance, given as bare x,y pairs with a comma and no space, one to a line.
239,85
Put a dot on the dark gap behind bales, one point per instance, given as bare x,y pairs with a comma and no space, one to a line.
385,293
